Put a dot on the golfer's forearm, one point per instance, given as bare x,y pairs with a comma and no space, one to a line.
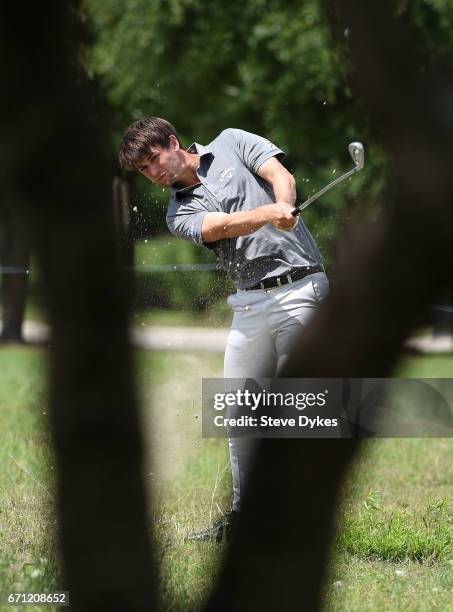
217,226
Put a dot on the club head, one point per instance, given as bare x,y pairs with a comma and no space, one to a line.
357,152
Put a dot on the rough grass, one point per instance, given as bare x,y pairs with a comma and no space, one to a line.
397,534
188,570
393,549
27,525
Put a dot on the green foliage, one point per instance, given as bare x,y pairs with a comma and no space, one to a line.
265,66
170,288
432,20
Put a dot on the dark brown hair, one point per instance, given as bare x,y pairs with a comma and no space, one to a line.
140,135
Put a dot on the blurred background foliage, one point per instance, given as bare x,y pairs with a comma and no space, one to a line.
176,286
266,66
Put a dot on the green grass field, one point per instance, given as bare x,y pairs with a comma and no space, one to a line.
394,547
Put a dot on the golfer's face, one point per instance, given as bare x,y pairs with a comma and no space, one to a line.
162,166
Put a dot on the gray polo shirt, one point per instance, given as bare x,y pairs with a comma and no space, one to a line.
229,183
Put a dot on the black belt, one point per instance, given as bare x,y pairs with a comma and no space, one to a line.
279,281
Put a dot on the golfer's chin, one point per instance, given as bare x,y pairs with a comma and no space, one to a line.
163,182
167,180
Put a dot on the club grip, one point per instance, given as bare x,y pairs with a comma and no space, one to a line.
295,212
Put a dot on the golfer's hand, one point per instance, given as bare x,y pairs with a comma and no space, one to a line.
280,216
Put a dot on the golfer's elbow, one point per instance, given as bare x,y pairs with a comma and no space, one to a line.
284,187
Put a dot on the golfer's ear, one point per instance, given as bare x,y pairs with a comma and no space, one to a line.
174,142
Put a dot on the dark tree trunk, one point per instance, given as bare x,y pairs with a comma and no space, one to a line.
121,214
125,242
391,272
278,558
54,154
14,260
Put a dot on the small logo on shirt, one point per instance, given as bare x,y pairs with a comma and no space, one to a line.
227,174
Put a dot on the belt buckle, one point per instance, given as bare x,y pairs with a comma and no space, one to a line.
288,276
262,285
279,281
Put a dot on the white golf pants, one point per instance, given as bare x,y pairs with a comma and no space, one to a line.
266,323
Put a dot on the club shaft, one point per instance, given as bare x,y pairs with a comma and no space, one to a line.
322,191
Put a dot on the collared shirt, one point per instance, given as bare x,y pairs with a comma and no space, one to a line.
229,183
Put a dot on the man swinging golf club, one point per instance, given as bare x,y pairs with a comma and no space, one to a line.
235,197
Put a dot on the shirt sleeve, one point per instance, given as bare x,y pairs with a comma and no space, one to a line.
185,220
253,150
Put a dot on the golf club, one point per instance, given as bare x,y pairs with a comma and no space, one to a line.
357,152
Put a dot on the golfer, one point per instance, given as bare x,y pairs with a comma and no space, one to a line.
235,197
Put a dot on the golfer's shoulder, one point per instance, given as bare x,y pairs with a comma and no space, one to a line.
229,137
183,203
177,203
230,133
233,143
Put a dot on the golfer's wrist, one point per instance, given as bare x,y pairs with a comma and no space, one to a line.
271,212
264,213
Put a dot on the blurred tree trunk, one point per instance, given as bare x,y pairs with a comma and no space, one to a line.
121,215
14,259
278,559
54,155
122,221
392,270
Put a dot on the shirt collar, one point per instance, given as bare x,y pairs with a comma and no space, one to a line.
200,150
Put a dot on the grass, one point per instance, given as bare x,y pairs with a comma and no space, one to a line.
393,549
425,366
394,533
397,534
394,546
27,542
186,471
